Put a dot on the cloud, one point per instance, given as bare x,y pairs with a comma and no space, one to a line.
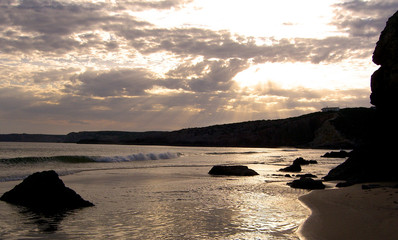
209,76
116,82
52,26
56,27
69,63
224,45
145,5
363,18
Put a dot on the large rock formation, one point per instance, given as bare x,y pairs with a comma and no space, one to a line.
45,192
376,160
384,81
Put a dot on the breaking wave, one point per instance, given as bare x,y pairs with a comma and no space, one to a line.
232,153
88,159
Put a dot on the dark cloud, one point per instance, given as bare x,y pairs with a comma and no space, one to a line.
48,26
364,18
54,75
116,82
205,76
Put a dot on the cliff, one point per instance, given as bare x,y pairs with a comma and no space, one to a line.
344,129
375,159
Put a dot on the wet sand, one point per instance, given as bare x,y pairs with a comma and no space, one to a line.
351,213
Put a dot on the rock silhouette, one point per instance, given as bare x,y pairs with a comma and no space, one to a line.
232,171
45,192
384,81
292,168
341,154
375,160
307,183
301,161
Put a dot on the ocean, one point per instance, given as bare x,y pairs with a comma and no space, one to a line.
159,192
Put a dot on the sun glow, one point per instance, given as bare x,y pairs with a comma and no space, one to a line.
285,19
307,75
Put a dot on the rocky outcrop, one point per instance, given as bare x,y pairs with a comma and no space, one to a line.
384,81
45,192
232,171
365,164
327,136
375,159
341,154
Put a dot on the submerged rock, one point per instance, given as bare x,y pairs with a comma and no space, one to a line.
309,175
302,161
232,171
341,154
307,183
45,192
291,168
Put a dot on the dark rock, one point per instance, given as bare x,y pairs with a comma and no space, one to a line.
375,160
302,161
291,168
366,165
232,171
344,184
341,154
309,175
307,183
384,81
44,191
370,186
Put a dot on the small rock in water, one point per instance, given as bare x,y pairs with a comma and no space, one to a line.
302,161
232,171
309,175
45,192
307,183
291,168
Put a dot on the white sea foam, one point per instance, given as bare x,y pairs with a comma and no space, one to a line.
138,157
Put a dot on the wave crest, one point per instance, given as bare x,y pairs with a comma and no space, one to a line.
138,157
88,159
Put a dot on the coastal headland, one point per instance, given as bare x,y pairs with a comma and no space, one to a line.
345,128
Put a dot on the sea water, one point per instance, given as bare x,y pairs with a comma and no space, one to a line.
159,192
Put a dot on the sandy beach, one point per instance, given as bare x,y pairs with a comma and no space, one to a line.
351,213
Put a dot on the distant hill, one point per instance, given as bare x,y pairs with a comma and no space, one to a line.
31,138
343,129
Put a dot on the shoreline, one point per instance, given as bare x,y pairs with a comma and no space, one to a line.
351,213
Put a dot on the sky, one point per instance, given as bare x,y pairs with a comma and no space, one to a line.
134,65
